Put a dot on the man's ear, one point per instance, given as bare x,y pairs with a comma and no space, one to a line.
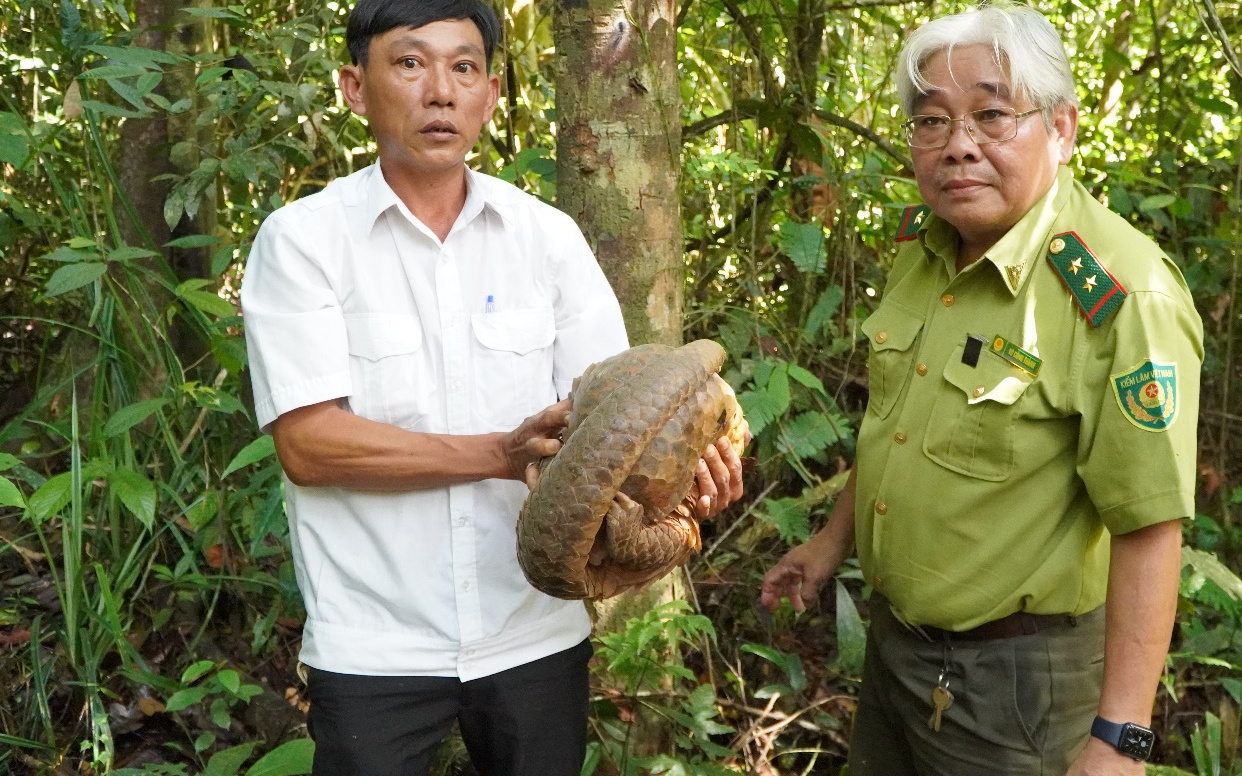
352,89
493,83
1065,130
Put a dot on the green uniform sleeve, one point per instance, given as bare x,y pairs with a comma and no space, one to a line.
1138,392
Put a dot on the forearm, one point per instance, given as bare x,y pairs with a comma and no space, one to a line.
1142,602
836,539
324,445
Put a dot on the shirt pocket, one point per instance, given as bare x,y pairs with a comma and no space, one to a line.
389,369
513,365
971,428
892,331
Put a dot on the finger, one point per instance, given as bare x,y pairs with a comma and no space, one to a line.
557,415
542,447
532,474
733,465
707,491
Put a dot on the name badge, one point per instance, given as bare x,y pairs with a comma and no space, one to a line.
1016,355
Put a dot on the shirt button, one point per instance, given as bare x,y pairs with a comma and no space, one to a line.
947,300
465,585
878,582
881,337
979,391
461,521
921,369
457,385
899,438
881,508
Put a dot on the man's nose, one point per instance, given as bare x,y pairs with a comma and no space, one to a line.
961,141
439,87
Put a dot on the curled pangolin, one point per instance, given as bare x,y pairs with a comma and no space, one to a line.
614,509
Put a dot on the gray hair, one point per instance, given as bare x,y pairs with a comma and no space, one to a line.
1023,42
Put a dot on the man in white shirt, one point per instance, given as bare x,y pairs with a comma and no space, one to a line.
410,329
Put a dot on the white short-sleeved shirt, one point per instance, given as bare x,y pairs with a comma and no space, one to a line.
346,294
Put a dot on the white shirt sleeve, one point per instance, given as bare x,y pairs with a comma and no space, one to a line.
589,326
295,332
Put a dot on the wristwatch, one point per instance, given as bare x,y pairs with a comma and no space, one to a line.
1130,739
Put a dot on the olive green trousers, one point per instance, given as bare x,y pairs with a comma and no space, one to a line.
1022,706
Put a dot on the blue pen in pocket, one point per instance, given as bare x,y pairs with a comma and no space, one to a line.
490,305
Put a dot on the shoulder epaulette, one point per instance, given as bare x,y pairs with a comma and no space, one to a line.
911,221
1097,293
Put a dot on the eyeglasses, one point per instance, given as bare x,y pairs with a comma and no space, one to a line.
989,125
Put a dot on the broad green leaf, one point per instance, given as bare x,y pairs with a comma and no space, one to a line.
130,416
111,71
10,495
1156,201
74,276
851,634
804,244
112,110
192,241
230,680
228,762
130,252
1209,566
81,242
196,670
291,758
788,662
8,461
778,387
51,497
788,517
209,303
183,699
136,492
805,377
70,254
14,150
256,451
136,55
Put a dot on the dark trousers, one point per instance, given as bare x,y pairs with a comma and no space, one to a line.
1022,706
527,721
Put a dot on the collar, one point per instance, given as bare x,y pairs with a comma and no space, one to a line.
1012,255
380,197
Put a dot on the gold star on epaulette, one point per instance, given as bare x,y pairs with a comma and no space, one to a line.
1075,265
1090,284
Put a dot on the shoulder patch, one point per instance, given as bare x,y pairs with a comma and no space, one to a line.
911,221
1097,293
1147,395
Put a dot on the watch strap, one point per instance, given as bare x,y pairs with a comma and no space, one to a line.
1108,732
1132,740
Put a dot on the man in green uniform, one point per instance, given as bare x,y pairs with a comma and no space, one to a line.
1029,444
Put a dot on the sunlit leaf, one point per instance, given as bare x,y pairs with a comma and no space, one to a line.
74,276
10,495
136,492
789,518
256,451
851,635
130,416
291,758
51,497
229,761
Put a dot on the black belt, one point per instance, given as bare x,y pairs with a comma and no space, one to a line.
1016,624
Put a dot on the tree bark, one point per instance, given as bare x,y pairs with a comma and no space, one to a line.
618,109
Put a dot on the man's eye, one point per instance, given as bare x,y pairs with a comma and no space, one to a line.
464,67
990,114
930,122
409,63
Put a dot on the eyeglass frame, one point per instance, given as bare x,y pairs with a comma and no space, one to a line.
907,126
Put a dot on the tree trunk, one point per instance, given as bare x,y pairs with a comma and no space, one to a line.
618,111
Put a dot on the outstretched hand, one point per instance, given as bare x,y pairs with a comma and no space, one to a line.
538,437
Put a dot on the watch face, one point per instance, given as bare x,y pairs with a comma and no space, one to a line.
1136,741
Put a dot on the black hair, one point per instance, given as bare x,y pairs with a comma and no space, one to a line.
375,17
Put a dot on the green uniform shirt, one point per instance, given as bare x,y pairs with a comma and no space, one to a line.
989,488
